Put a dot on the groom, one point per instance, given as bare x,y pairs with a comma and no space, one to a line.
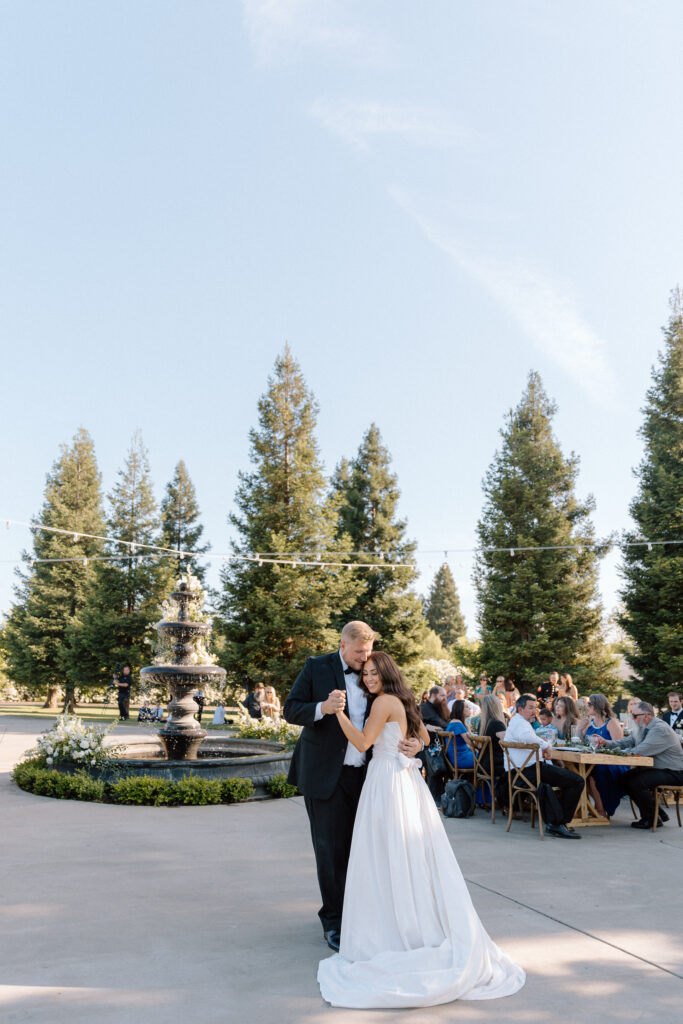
327,769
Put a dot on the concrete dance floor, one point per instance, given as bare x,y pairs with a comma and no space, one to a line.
208,914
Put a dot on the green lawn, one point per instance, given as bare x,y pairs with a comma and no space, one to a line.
100,713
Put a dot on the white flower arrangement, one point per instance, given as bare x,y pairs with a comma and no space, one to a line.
74,741
265,728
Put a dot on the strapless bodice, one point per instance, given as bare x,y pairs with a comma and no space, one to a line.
385,747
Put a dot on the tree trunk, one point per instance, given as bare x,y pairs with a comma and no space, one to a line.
52,699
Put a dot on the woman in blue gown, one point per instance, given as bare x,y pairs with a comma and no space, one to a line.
604,782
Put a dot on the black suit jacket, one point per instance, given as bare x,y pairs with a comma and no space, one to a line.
678,724
319,755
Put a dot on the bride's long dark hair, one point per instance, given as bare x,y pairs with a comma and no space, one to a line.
394,683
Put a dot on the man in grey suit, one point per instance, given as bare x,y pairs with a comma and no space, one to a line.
655,739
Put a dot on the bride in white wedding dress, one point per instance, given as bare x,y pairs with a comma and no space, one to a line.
410,935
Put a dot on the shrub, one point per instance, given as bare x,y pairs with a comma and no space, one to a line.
143,789
233,791
278,786
193,790
32,777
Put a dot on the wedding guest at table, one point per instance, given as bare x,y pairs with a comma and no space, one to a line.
483,689
655,739
458,727
492,724
461,694
674,716
509,697
570,784
549,690
434,710
605,781
565,717
544,724
567,687
270,705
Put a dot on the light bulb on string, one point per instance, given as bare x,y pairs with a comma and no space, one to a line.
512,552
85,561
649,547
76,538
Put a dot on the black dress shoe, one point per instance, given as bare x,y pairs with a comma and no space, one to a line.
663,816
332,938
561,832
644,824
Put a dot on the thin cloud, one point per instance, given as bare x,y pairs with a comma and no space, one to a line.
541,306
286,28
358,122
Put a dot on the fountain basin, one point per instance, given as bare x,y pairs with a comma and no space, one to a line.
219,757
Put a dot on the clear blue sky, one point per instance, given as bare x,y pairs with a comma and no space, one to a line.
425,200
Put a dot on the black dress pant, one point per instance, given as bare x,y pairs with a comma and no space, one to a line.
331,830
569,783
638,783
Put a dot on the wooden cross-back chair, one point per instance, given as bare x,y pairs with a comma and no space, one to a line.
519,785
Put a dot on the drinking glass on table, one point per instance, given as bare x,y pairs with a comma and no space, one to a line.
594,741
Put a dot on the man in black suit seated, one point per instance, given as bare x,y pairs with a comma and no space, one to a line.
674,716
328,770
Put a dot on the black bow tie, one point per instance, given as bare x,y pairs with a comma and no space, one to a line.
348,671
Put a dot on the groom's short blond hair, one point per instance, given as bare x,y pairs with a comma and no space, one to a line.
358,630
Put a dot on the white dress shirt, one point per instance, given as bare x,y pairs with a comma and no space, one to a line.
521,731
356,704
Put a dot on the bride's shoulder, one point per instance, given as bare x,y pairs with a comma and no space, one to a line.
387,702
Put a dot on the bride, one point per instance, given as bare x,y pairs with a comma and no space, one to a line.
410,935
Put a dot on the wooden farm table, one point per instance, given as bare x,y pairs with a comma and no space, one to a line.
583,762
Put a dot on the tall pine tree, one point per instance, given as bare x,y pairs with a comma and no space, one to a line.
653,591
367,494
538,609
442,609
55,582
116,626
180,526
274,616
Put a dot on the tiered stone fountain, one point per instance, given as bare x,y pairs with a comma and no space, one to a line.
182,734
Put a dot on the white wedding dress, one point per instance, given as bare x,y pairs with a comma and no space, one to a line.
410,934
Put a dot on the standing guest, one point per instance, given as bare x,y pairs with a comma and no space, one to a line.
449,687
459,729
674,716
604,782
198,697
567,688
123,696
270,705
499,688
483,689
565,717
569,783
657,740
219,714
326,768
549,690
253,701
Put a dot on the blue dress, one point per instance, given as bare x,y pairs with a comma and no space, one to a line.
607,777
465,755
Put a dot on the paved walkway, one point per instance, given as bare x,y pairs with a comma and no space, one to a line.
208,914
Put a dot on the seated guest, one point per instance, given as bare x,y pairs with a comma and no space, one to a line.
158,712
509,696
461,694
565,717
145,713
491,724
569,783
434,710
459,729
482,689
549,690
270,705
566,687
253,701
674,716
449,687
544,724
219,714
605,781
655,739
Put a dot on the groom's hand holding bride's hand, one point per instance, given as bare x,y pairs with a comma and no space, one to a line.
334,703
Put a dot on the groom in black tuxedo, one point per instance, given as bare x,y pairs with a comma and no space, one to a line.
326,768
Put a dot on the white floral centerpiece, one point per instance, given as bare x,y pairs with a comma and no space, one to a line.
73,741
265,728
